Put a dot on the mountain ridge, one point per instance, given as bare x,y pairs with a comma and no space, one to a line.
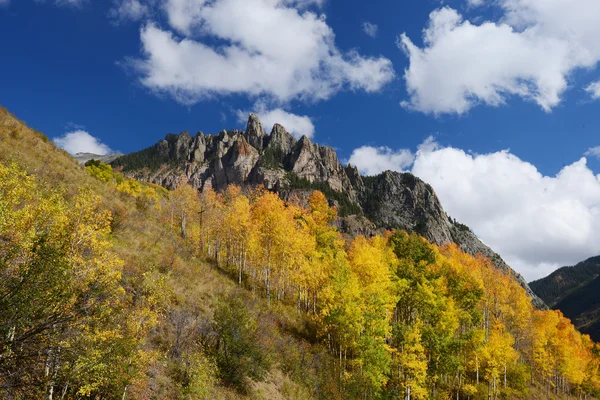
560,283
281,163
82,158
573,290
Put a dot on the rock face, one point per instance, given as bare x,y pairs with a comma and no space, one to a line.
288,166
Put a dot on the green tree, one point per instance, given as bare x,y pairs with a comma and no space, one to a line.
63,328
239,355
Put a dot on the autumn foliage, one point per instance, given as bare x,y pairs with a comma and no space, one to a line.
83,314
402,317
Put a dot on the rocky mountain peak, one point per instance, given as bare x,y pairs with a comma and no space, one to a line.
254,132
305,142
354,176
278,130
281,140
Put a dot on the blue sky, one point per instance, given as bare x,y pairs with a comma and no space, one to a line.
486,77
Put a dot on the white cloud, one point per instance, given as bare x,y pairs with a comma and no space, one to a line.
529,52
128,10
530,219
370,29
593,152
594,90
81,142
297,125
276,49
373,160
537,223
4,3
475,3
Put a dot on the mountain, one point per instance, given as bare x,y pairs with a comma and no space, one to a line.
82,158
390,200
566,280
574,291
113,288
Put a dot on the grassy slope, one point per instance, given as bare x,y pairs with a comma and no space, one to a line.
148,247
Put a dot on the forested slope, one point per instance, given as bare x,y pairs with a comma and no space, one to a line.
574,291
112,288
564,281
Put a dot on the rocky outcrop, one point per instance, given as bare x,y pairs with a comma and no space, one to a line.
394,200
247,157
254,132
293,168
280,142
82,158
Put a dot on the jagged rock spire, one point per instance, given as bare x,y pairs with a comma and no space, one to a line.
281,140
254,132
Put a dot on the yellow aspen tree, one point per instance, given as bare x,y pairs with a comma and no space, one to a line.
237,225
412,363
274,228
544,345
341,316
372,261
210,218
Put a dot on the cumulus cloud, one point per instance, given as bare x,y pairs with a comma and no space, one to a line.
81,142
370,29
275,49
128,10
594,90
373,160
593,152
530,52
297,125
535,222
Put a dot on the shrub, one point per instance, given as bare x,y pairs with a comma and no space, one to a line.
238,353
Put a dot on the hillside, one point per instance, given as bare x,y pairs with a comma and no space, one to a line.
582,306
168,295
118,289
574,291
288,166
566,280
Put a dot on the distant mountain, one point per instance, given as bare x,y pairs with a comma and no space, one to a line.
575,292
291,167
82,158
564,281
